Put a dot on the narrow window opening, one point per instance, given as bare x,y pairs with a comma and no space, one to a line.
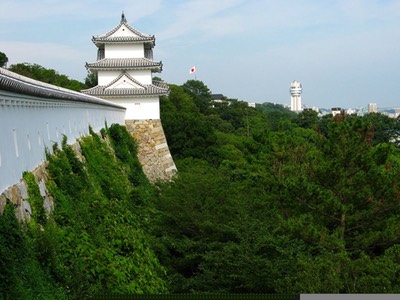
29,143
15,142
48,131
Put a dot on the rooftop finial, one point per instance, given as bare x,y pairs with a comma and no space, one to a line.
123,19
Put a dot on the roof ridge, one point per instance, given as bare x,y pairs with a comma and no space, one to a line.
149,90
124,22
125,64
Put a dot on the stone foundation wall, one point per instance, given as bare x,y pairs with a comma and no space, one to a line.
153,154
153,151
18,195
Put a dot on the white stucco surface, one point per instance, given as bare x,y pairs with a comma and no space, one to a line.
106,77
124,51
30,124
143,76
140,108
123,31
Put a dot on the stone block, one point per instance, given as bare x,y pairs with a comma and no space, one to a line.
3,202
48,204
152,148
13,195
156,130
160,146
42,187
23,189
26,211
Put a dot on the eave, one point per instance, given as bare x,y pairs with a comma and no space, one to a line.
125,64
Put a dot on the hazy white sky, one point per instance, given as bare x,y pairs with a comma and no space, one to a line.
344,52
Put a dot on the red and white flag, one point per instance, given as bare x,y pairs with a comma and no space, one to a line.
192,70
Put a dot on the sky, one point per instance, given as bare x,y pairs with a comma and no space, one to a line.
346,53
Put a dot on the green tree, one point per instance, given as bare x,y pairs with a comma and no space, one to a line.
215,239
91,80
24,261
105,247
341,192
307,119
200,94
3,60
187,130
313,201
197,88
384,129
50,76
274,114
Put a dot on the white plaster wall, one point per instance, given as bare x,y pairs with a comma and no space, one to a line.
123,31
27,130
140,108
124,51
105,77
143,76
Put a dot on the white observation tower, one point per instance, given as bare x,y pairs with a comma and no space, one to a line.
295,96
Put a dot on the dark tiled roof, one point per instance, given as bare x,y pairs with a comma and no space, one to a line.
141,37
13,82
217,96
161,84
148,90
144,90
122,39
125,63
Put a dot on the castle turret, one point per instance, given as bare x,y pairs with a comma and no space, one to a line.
124,70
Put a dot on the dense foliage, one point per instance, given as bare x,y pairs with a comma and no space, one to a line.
265,201
3,59
50,76
96,241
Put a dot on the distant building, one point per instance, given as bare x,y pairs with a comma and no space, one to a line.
295,96
220,99
336,111
251,104
217,97
372,108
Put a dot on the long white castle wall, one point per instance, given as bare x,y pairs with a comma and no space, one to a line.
124,51
146,108
31,124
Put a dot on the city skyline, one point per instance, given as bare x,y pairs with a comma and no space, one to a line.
345,53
